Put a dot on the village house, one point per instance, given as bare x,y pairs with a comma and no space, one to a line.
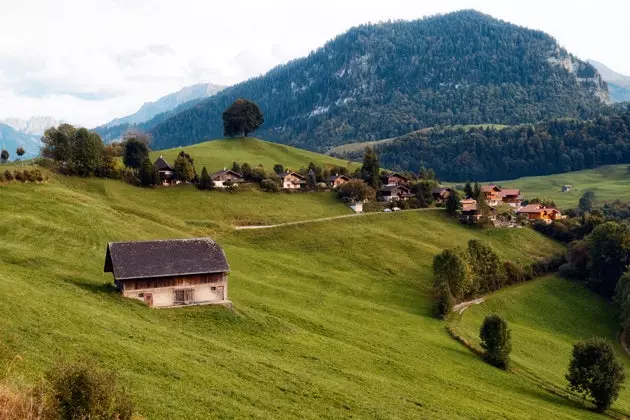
292,180
337,180
440,194
492,194
394,192
511,197
471,214
165,170
539,212
219,179
394,179
170,273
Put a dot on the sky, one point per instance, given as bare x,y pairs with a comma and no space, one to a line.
89,61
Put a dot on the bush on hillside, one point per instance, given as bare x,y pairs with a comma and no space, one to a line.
444,302
496,341
595,372
515,273
8,175
269,186
452,267
356,190
205,183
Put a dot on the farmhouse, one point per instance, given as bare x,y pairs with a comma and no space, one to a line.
394,192
440,194
471,214
170,273
511,197
394,179
292,180
540,212
165,170
226,177
337,180
492,194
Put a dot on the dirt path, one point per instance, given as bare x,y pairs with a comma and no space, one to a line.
461,307
323,219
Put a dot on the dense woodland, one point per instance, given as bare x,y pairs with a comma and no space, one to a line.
385,80
482,154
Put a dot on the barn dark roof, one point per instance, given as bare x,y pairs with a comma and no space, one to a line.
162,165
173,257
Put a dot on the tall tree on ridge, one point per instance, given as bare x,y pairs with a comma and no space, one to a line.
371,171
242,117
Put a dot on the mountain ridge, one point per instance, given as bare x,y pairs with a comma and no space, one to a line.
618,84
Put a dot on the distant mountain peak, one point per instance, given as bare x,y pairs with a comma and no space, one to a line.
618,84
35,125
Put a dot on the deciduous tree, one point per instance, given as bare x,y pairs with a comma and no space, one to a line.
4,156
242,117
496,341
453,203
135,152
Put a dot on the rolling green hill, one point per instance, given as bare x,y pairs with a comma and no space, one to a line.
608,182
546,317
217,154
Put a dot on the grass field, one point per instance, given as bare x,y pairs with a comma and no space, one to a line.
332,319
546,317
608,182
217,154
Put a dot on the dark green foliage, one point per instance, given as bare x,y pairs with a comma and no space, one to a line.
595,372
205,183
496,341
484,210
371,170
246,171
236,167
453,203
488,272
148,175
444,302
621,299
451,266
514,273
8,175
4,156
278,168
608,256
20,151
459,68
468,190
242,117
135,152
423,191
82,391
587,201
183,168
87,154
269,185
548,264
356,190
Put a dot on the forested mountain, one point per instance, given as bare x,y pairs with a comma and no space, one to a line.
384,80
152,113
11,139
618,84
479,154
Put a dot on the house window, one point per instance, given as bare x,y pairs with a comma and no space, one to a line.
213,288
141,295
184,296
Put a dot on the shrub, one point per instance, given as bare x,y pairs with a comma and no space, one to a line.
451,266
269,186
19,176
356,190
82,391
2,178
8,175
205,183
595,372
445,302
148,175
514,272
496,341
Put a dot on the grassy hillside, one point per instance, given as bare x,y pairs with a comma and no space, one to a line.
609,183
332,319
546,317
217,154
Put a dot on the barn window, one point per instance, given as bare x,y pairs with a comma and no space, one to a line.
184,296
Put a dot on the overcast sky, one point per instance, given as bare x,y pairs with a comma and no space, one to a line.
88,61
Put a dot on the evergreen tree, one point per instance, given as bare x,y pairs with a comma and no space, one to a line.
236,167
135,152
468,190
453,203
205,183
149,176
595,372
242,117
445,302
183,169
496,341
278,168
476,190
371,171
246,171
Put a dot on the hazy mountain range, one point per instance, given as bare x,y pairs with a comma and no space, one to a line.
618,84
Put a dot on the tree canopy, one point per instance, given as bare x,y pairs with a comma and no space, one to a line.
242,117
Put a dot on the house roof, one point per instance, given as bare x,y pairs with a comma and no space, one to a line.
287,173
162,165
536,208
513,191
394,174
469,205
335,177
439,190
392,188
224,172
488,188
165,258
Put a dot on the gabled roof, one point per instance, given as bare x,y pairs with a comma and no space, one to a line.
391,188
469,205
224,172
173,257
537,208
162,165
491,187
287,173
506,192
395,174
333,178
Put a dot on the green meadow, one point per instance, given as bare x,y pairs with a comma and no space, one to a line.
331,319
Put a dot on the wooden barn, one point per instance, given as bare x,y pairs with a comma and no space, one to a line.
170,273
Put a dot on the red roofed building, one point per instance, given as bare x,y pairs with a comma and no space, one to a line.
540,212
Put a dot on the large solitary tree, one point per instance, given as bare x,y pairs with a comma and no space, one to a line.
242,117
496,341
135,150
4,156
371,170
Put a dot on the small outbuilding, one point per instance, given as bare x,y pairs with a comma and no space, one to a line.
170,273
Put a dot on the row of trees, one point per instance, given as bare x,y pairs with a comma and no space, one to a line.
26,175
5,155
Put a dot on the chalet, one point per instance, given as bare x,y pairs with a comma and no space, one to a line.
170,273
219,179
440,194
539,212
337,180
292,180
471,214
492,194
394,179
511,197
394,193
165,170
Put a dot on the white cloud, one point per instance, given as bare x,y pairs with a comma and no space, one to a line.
90,61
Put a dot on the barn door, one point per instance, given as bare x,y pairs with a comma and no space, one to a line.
148,299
